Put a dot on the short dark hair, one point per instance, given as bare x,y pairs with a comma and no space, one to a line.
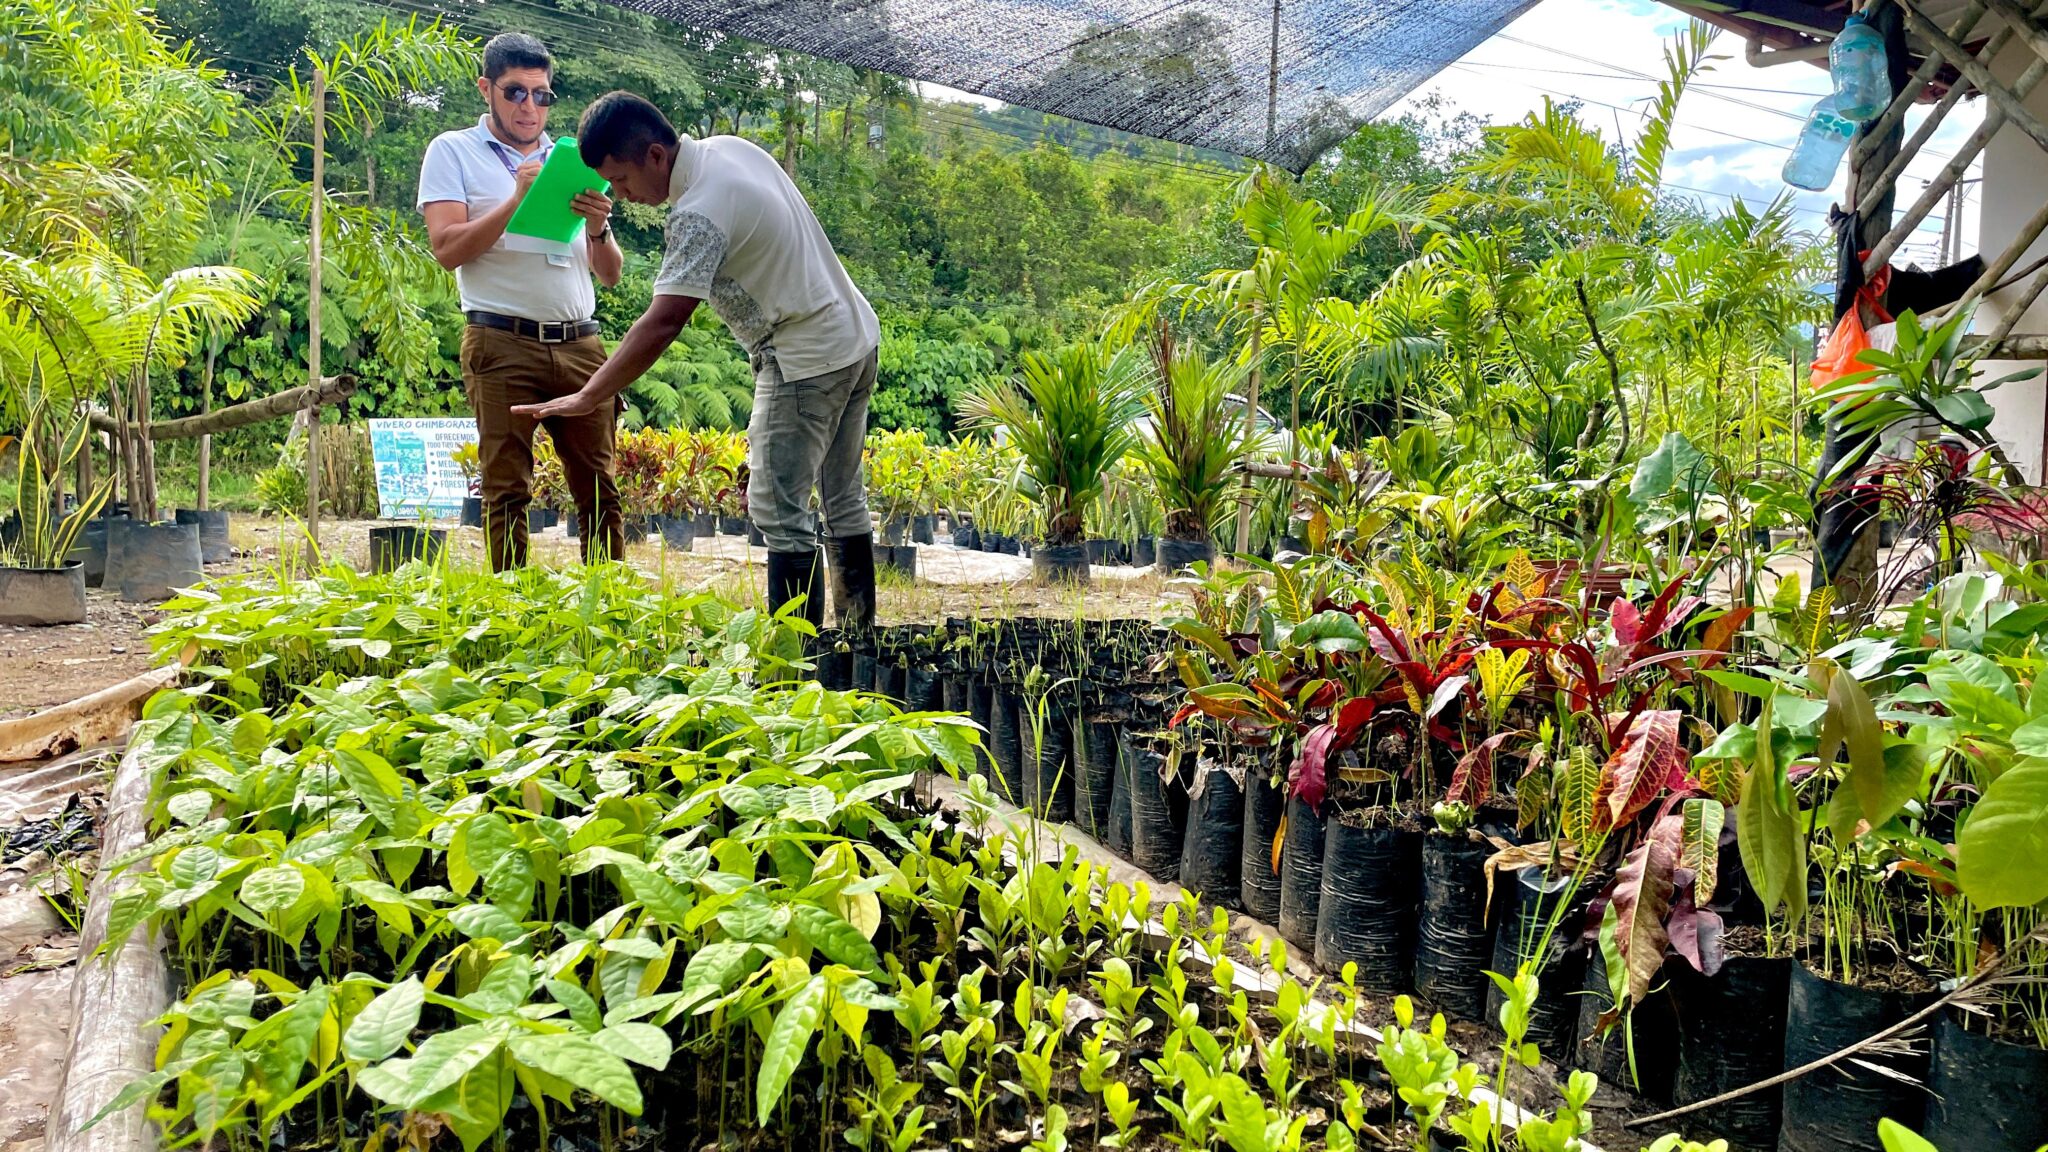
622,126
509,50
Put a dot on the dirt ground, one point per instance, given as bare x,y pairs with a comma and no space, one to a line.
41,667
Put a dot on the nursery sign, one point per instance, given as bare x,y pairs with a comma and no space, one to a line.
416,470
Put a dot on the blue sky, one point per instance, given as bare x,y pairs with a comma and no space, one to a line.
1734,128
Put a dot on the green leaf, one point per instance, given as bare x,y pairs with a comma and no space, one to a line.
582,1009
381,1027
1896,1137
837,939
442,1059
1675,465
1967,410
2000,850
582,1063
1767,830
474,1107
1852,721
643,1044
272,889
485,921
787,1040
1700,846
373,781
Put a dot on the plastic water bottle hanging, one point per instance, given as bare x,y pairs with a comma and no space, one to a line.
1856,63
1819,150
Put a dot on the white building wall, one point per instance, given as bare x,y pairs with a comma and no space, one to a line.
2015,184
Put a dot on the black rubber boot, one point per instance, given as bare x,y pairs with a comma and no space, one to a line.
853,581
793,574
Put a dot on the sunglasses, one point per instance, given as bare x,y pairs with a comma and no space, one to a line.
518,94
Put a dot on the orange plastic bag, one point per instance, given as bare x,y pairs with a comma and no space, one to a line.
1837,357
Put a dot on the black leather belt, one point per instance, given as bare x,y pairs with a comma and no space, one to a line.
545,331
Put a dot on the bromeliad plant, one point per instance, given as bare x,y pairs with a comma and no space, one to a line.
1195,438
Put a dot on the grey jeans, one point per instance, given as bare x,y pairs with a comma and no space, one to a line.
808,434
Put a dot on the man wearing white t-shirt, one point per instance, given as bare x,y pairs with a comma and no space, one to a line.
529,302
740,235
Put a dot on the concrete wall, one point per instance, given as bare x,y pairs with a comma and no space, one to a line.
2015,183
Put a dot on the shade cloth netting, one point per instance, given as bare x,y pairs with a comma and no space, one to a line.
1192,71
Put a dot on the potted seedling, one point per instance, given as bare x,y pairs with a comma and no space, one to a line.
1191,446
40,584
471,467
1070,415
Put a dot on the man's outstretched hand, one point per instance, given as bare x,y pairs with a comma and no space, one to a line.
579,403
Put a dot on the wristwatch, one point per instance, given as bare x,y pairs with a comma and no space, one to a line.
603,234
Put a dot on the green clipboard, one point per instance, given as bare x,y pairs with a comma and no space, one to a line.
545,213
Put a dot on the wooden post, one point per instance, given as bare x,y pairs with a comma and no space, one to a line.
1998,94
206,406
1251,424
313,303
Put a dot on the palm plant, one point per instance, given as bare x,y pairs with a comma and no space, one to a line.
1070,416
1194,441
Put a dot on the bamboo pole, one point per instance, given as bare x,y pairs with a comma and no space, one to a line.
1251,424
2021,21
2024,239
1911,148
313,302
206,439
1999,94
1930,66
285,403
1994,119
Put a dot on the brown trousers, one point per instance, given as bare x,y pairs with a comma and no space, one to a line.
499,370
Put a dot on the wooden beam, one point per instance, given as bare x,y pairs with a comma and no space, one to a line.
1975,71
314,260
1994,119
2021,241
2019,20
2019,306
332,390
1910,95
2019,346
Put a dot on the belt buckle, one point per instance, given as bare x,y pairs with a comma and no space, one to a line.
553,331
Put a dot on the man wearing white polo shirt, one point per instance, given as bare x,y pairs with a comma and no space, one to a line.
529,302
740,235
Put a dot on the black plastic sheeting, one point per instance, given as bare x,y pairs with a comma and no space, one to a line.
1198,72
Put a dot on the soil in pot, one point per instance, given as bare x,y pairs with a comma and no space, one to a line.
1258,881
1170,556
1372,886
1731,1033
1059,564
1454,941
150,562
1531,902
1155,835
1836,1109
1006,746
40,597
1214,843
1045,736
1301,873
214,547
1985,1093
1649,1034
1095,776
